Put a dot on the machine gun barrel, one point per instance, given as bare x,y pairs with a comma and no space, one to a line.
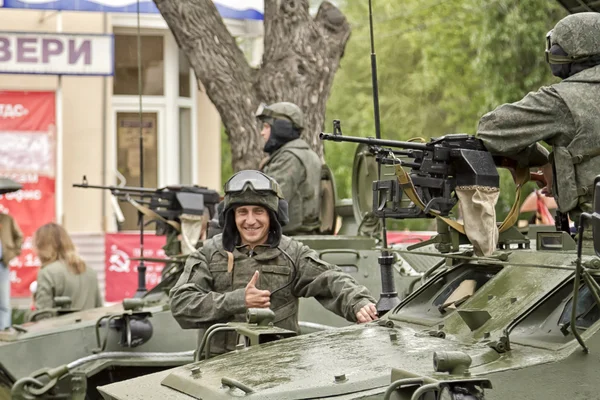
374,142
118,189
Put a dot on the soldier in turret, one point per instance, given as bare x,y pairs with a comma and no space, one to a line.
565,115
293,164
253,265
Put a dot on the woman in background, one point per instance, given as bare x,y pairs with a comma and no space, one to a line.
63,272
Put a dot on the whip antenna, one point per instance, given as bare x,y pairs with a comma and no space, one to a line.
389,297
141,290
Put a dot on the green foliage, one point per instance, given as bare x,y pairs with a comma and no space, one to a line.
442,65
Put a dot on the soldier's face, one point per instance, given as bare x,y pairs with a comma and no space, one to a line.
266,131
253,224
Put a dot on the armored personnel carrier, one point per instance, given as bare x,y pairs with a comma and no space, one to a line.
64,353
521,323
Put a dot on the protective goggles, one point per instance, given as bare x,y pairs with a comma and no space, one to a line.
558,59
254,180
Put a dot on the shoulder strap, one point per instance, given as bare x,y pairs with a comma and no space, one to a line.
409,189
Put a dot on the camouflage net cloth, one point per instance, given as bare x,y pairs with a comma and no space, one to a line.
477,204
193,229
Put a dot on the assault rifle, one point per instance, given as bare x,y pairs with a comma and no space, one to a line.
433,171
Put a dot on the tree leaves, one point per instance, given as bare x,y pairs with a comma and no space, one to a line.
442,65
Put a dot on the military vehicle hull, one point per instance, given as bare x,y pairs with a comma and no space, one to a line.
72,340
512,328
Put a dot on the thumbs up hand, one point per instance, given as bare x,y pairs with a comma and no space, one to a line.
256,298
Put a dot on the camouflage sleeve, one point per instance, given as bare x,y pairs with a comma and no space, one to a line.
288,171
194,304
336,291
513,130
44,294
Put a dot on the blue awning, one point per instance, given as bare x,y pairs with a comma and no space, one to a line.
233,9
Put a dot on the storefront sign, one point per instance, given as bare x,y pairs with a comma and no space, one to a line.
121,271
27,155
56,54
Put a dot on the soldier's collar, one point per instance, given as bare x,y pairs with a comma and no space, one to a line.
260,252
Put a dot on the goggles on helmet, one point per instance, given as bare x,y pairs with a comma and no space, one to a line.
558,59
254,180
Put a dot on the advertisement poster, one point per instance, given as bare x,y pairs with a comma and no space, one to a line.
121,271
27,155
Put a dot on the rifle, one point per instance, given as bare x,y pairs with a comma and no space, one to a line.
436,168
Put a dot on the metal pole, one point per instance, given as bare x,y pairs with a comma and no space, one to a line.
59,138
389,297
141,290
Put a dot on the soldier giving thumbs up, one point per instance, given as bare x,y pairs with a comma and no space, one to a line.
256,298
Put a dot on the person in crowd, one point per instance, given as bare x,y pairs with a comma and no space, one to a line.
63,271
11,240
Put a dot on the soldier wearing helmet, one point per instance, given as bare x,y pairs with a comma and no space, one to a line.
253,265
565,115
293,164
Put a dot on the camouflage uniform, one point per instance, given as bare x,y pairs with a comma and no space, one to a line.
294,165
565,115
212,287
297,169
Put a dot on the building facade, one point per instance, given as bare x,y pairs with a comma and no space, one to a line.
97,118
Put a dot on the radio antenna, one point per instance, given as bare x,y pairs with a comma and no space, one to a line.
389,297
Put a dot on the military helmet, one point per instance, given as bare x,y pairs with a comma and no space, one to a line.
578,35
252,187
282,110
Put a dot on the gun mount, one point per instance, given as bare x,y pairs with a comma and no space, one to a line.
435,170
176,210
166,204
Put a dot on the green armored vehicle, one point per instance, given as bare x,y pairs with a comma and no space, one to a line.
521,323
76,351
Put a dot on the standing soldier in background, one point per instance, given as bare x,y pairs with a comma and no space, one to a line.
293,164
565,115
11,240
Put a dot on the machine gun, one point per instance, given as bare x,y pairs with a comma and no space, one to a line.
436,169
164,206
178,212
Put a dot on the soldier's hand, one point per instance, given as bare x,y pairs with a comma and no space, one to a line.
367,314
256,298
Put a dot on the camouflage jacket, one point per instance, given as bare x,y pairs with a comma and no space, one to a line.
297,169
565,115
207,293
56,279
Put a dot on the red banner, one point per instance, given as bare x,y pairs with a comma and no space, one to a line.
27,155
121,272
408,237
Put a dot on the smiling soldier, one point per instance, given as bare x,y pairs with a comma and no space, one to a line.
253,265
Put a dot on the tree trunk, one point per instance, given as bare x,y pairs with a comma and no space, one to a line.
301,56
